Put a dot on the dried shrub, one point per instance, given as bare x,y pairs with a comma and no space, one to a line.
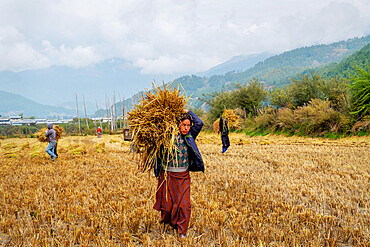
154,122
362,125
248,124
266,118
317,117
285,119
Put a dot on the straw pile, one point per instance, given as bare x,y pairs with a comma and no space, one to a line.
154,122
233,121
41,134
59,130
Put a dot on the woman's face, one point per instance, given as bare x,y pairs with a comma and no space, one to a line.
185,126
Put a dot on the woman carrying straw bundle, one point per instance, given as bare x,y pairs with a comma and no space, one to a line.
173,193
51,135
165,135
224,134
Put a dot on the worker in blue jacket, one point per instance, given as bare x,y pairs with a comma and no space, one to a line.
224,134
189,134
173,192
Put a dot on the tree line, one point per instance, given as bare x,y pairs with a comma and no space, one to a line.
309,105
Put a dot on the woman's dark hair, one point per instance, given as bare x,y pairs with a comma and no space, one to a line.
186,116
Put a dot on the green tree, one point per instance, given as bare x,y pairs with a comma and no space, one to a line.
337,92
360,93
217,103
305,88
279,98
249,97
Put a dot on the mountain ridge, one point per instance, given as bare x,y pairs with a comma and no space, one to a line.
277,70
15,104
237,64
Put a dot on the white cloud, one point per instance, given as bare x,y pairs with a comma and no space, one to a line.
168,36
76,57
16,53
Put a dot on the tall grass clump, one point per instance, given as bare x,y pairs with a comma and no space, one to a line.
265,119
154,122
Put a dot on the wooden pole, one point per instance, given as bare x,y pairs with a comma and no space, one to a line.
121,109
123,112
97,109
78,117
87,122
108,116
114,111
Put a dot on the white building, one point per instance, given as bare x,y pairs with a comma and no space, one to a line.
5,121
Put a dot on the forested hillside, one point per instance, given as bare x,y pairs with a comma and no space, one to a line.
359,59
276,70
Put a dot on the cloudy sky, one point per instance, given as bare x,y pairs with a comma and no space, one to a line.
168,36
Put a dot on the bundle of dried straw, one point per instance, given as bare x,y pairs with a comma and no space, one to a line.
233,121
41,134
154,122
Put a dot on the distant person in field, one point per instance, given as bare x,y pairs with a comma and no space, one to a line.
99,132
173,192
224,134
51,135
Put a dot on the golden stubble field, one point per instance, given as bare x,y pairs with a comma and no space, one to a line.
265,191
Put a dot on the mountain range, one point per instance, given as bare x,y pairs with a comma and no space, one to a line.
277,70
272,70
15,104
58,85
236,64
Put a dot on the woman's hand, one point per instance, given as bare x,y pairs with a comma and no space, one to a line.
185,111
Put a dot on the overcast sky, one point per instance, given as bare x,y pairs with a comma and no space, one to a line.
168,36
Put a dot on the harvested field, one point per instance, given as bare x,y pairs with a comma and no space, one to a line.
267,191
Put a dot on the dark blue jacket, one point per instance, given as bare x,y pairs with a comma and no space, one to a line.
195,159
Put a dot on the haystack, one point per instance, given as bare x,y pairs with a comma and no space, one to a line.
41,134
233,121
154,122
